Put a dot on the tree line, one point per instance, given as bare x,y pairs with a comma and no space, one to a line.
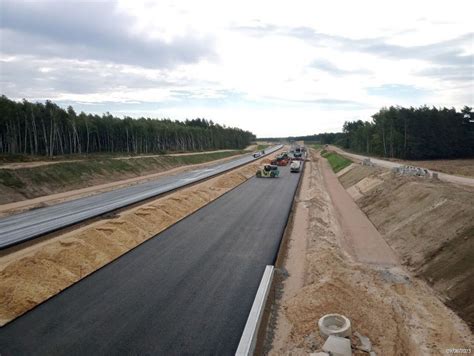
47,129
322,138
412,133
406,133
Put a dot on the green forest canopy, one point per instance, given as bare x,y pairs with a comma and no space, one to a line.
47,129
407,133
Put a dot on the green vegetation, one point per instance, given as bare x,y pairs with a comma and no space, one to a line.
261,147
40,180
10,180
317,146
336,161
48,130
406,133
421,133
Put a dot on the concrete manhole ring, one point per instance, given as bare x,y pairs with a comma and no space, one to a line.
334,324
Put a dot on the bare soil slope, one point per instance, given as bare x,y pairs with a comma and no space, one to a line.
46,179
430,225
398,312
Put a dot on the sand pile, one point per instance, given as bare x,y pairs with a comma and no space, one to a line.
36,273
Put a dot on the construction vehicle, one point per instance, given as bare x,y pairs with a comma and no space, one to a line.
295,166
281,160
268,171
298,156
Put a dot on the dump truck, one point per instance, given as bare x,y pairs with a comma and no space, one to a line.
268,171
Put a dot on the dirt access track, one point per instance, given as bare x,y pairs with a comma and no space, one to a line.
31,275
326,270
469,168
32,164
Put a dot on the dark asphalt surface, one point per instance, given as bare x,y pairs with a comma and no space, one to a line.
187,291
28,225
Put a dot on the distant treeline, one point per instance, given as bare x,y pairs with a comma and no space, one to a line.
47,129
407,133
413,133
322,138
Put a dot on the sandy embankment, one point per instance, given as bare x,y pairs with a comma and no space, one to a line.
400,313
31,275
43,201
428,223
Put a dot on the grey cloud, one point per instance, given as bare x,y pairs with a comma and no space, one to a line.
331,103
331,68
450,73
443,53
90,30
259,30
23,78
338,103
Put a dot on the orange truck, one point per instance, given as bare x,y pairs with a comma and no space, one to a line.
281,160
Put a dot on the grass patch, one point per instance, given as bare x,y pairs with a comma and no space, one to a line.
336,161
261,147
114,169
317,146
10,180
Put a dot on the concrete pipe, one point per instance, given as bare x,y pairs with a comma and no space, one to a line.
334,324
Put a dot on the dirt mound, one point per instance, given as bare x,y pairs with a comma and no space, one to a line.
429,224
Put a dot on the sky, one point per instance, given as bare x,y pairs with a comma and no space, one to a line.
276,68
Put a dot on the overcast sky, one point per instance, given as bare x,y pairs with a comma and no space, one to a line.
276,68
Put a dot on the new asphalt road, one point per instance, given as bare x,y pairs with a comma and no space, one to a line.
187,291
25,226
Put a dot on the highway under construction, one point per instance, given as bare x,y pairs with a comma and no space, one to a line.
187,290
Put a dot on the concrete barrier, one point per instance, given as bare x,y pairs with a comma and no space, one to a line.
248,340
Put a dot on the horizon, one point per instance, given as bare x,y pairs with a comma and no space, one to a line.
274,69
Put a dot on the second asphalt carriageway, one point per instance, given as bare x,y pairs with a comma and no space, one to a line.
21,227
186,291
